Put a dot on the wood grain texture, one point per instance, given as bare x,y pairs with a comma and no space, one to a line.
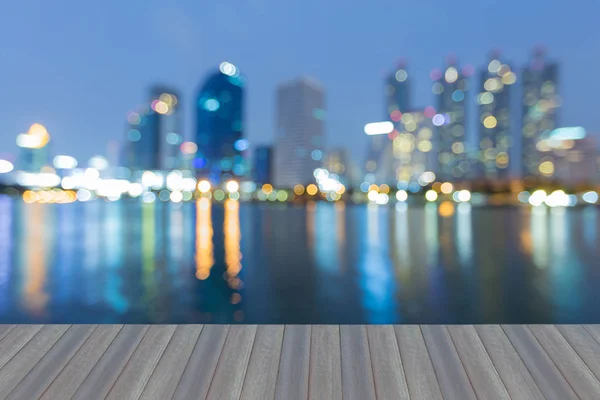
449,370
292,381
104,374
548,378
479,367
575,371
515,375
170,368
52,363
5,330
70,378
15,340
584,345
388,373
261,376
132,380
357,372
24,361
420,375
325,377
229,376
195,382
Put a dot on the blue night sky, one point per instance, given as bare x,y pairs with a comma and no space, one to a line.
78,67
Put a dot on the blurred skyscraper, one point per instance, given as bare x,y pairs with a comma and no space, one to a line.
263,164
450,88
540,103
494,125
219,126
33,149
300,133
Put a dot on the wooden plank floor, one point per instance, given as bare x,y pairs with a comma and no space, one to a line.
299,362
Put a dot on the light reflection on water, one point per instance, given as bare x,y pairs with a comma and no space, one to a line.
200,262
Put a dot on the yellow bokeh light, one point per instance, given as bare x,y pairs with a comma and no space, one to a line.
446,209
161,107
232,186
490,122
431,195
267,188
547,168
312,189
446,188
384,188
204,186
425,146
299,190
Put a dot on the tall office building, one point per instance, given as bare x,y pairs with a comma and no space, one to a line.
450,88
494,125
219,126
33,149
263,164
300,133
540,103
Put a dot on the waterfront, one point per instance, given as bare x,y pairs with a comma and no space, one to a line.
323,263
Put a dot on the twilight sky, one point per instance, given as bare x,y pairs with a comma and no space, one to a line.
79,66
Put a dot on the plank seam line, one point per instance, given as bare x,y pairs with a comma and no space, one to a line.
158,361
248,363
23,346
91,369
186,363
341,364
309,359
370,359
492,361
591,334
61,370
218,361
431,362
401,362
555,365
279,364
127,363
576,352
445,328
12,328
41,358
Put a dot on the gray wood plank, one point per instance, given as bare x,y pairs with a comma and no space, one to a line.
5,330
388,372
420,375
515,375
479,367
452,377
229,376
575,371
170,368
15,340
292,382
42,375
195,382
548,378
584,344
594,330
19,366
106,371
357,372
132,380
70,378
325,379
261,375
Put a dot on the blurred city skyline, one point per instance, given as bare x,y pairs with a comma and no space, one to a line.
82,79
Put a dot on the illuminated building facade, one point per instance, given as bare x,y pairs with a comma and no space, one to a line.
163,125
494,124
219,126
450,89
33,149
540,103
263,164
300,132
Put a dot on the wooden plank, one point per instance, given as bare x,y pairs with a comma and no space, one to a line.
104,374
170,368
46,370
132,380
15,340
548,378
229,376
479,367
195,382
594,330
420,375
584,345
515,375
19,366
70,378
579,376
261,376
357,373
452,377
388,372
325,379
292,382
5,330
